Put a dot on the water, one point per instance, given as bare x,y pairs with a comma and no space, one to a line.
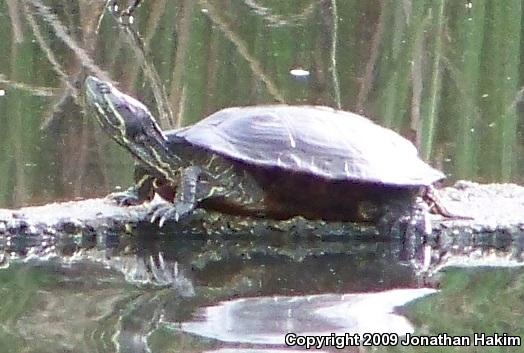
443,74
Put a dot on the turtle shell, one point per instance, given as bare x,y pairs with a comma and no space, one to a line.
316,140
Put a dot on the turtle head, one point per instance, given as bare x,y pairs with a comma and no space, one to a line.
128,122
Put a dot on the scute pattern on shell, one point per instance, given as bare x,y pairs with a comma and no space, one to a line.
317,140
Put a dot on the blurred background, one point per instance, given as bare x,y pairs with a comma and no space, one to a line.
446,74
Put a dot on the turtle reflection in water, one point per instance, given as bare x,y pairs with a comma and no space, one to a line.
275,161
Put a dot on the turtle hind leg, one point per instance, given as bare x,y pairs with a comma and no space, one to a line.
436,206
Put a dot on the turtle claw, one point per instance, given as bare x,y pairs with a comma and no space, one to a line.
164,213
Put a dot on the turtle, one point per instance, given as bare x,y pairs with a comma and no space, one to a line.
267,161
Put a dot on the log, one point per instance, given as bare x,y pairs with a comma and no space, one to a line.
495,235
497,227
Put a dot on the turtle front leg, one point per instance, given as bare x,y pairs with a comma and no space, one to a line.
142,191
186,199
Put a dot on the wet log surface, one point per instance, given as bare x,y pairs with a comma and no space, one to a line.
497,227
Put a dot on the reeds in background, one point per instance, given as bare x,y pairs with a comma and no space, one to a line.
450,73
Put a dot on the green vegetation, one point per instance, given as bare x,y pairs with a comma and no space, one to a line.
450,74
471,301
